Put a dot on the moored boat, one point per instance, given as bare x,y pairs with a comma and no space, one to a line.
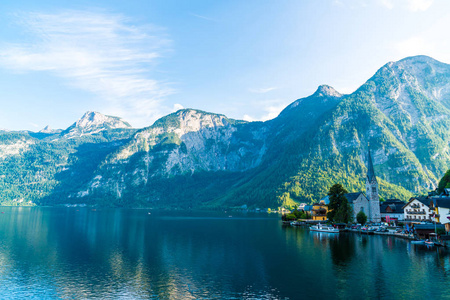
323,228
418,242
429,243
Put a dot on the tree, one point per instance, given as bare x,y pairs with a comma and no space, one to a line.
361,218
444,182
339,209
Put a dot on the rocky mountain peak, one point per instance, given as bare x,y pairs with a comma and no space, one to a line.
326,91
419,59
47,129
95,119
94,122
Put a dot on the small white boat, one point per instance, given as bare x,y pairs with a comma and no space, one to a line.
323,228
419,242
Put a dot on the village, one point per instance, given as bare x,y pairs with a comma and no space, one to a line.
423,219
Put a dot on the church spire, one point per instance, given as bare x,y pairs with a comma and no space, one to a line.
370,171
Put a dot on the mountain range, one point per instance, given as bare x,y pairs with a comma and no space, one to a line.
196,159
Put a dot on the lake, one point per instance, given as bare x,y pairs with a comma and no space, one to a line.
81,253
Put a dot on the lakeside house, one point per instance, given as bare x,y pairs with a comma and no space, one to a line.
319,210
392,210
418,210
441,208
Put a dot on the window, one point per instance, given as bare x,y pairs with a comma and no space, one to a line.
361,209
374,189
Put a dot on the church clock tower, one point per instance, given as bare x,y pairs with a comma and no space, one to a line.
372,193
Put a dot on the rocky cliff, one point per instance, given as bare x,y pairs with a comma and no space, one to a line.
196,159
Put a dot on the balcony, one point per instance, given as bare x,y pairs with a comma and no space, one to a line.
416,212
409,219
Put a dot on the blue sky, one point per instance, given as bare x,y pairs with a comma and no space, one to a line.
140,60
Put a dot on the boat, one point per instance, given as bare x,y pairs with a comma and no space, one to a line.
418,242
323,228
429,243
296,223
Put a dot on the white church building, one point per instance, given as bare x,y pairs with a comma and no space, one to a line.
368,203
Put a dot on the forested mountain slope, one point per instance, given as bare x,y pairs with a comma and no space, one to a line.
196,159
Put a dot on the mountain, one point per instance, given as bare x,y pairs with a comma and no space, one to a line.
94,122
45,167
49,130
192,158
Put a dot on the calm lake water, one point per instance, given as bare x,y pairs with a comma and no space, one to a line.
79,253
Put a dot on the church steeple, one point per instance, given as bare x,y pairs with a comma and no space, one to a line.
370,172
372,192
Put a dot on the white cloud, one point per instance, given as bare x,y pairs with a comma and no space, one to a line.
248,118
416,5
389,4
98,52
262,90
270,108
412,5
177,107
202,17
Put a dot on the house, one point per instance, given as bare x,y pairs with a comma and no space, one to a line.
441,207
301,206
319,211
392,210
418,210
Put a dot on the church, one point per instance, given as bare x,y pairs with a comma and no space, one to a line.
370,202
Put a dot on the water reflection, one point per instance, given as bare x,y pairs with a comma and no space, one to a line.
81,253
342,249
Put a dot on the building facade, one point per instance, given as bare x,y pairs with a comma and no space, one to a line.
418,210
441,208
358,202
392,210
319,212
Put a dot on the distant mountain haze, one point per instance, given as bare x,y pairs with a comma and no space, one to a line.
195,159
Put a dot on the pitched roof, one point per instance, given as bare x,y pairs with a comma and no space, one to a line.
441,202
352,196
422,199
395,205
308,208
370,171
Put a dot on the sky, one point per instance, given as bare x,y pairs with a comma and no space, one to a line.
143,59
